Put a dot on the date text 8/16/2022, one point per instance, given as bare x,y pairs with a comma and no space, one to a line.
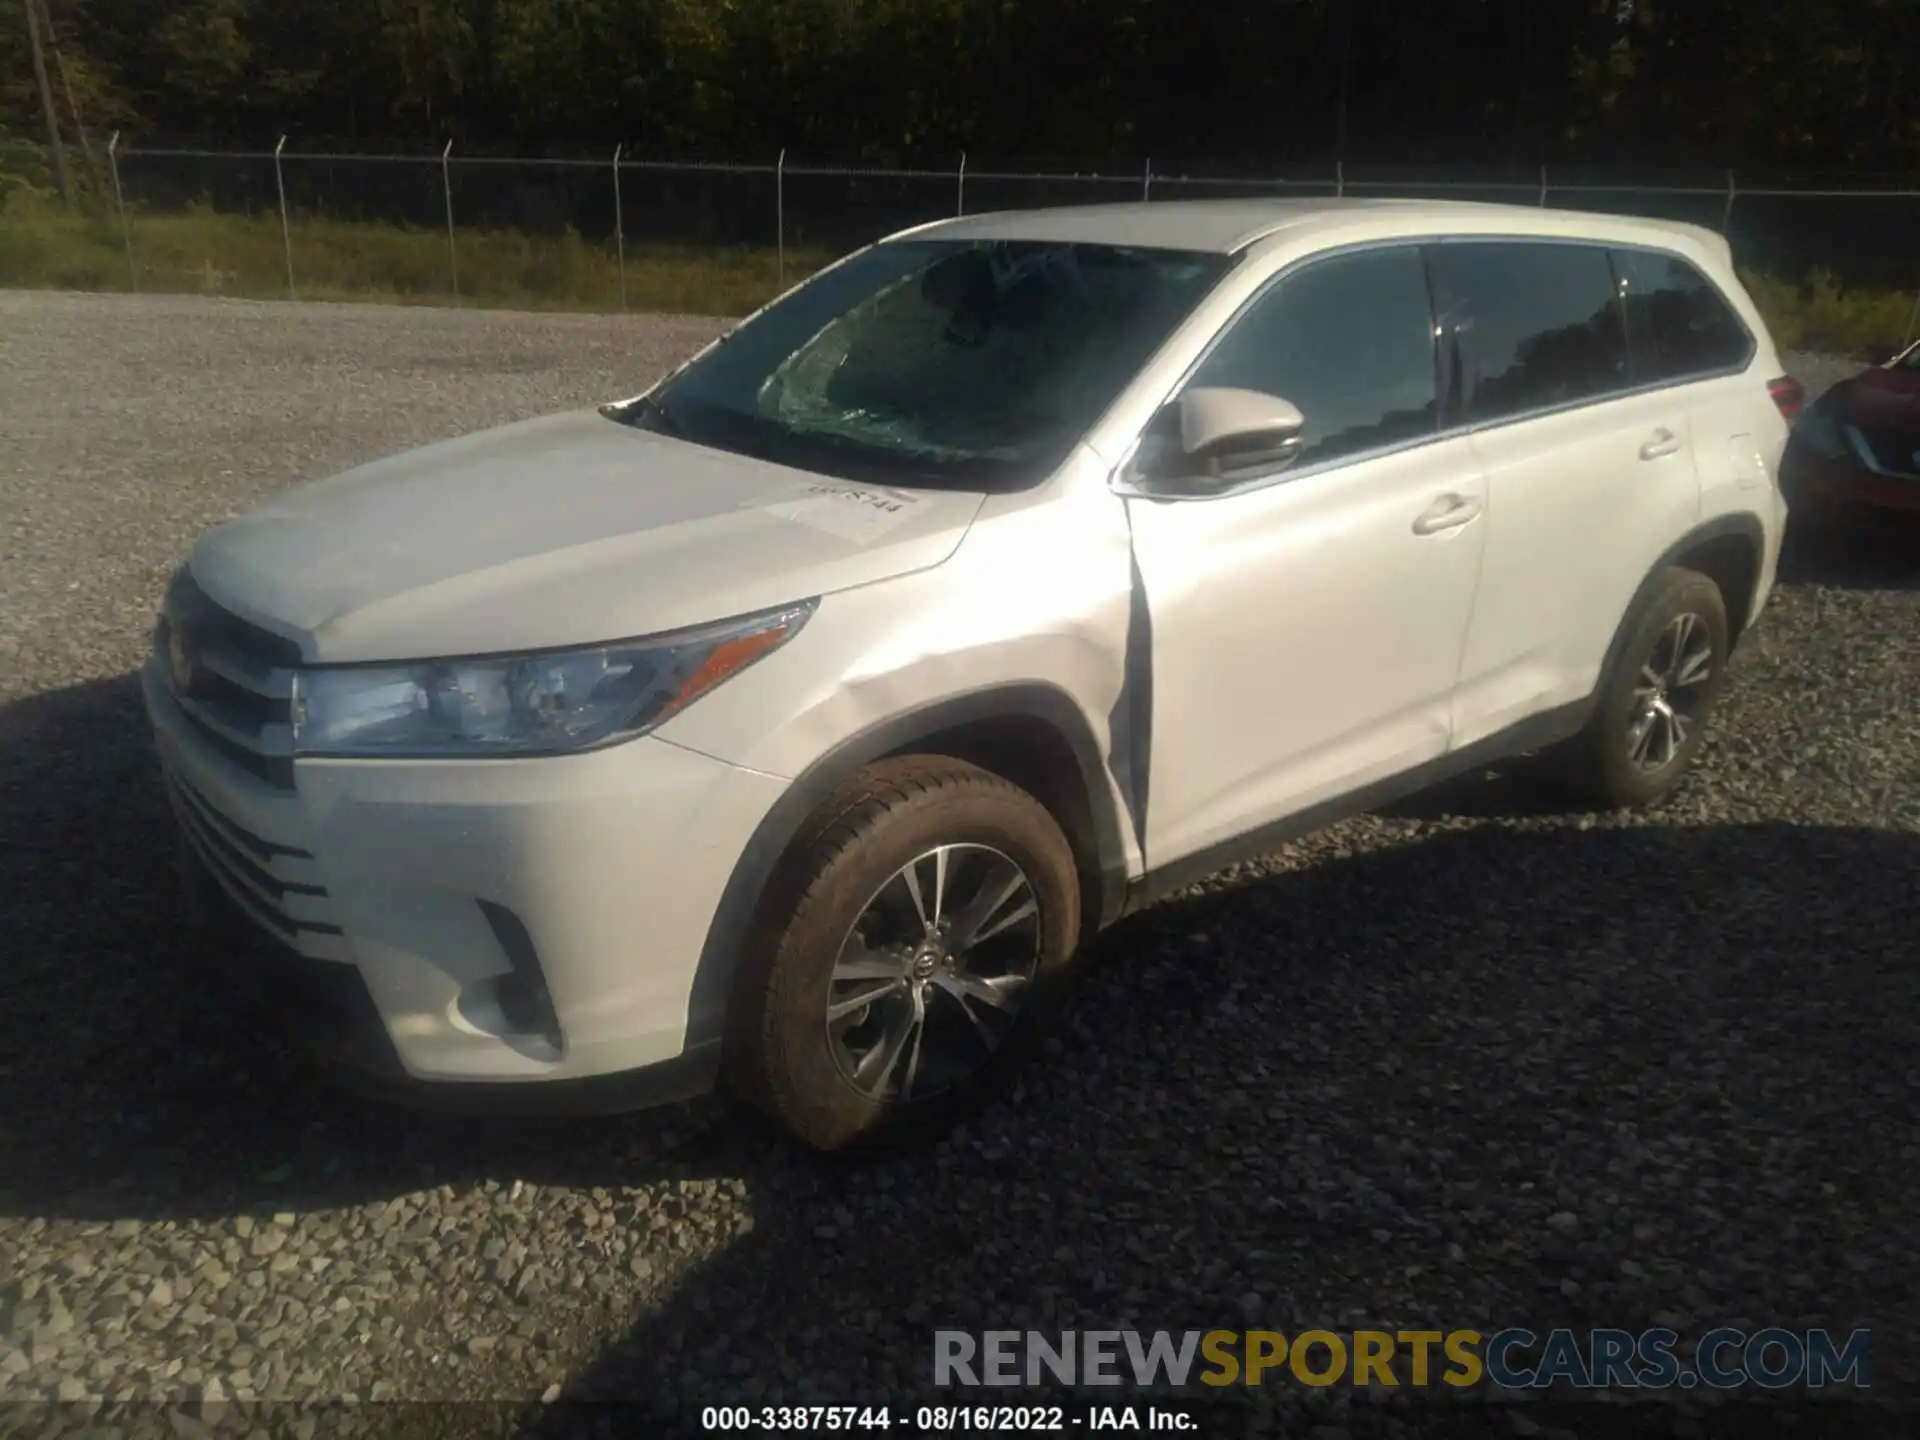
944,1419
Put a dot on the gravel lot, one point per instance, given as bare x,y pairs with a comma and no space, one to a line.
1477,1062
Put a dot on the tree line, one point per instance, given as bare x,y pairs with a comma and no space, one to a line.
1815,87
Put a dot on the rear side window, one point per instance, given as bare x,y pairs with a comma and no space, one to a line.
1349,340
1677,323
1539,325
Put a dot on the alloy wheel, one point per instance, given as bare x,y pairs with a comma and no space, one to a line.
930,978
1671,693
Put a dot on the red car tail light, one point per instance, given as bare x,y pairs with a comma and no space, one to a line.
1790,395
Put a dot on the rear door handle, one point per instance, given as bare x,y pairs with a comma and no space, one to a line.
1663,444
1449,512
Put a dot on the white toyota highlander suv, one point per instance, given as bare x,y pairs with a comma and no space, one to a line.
797,721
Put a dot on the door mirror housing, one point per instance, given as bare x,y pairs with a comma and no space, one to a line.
1213,436
1238,427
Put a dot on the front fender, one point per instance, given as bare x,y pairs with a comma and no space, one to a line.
1029,620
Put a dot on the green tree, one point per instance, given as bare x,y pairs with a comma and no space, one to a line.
1826,84
428,46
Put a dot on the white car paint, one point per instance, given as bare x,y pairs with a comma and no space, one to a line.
1586,500
1350,665
553,532
1236,658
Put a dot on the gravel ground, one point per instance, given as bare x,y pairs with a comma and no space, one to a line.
1475,1062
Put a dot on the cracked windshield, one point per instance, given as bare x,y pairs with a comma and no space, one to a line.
956,361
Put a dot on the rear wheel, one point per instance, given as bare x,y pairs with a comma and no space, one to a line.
1653,706
915,942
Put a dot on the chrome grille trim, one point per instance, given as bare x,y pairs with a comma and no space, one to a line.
219,833
273,739
270,684
260,893
239,689
185,600
264,849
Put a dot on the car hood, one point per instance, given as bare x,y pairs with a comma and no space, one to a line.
1881,399
559,531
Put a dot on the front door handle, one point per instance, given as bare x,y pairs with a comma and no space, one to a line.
1449,512
1663,444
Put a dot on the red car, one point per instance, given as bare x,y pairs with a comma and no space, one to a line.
1857,448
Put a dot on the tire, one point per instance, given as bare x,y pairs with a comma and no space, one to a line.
1622,758
873,1075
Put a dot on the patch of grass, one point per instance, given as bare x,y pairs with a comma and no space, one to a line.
204,252
1818,313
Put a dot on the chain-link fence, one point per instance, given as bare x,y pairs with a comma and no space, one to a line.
627,231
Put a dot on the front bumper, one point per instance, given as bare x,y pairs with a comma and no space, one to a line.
1817,483
482,928
325,1009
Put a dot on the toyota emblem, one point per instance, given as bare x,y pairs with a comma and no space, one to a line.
180,661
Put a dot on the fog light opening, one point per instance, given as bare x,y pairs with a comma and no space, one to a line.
527,1007
512,1009
519,999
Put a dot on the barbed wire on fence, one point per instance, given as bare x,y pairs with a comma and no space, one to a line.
1542,187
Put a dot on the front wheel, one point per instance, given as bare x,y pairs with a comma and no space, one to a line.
1653,706
915,940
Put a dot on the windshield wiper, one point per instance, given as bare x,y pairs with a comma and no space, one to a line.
658,417
663,418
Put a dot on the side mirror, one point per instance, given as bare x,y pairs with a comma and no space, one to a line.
1235,425
1213,437
1227,434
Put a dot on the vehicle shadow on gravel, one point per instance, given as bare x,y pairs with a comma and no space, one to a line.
1880,550
134,1085
1624,1075
1619,1075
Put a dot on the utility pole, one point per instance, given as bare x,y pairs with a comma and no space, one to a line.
46,102
1346,77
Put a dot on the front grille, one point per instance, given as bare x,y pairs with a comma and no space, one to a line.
232,680
322,1005
251,871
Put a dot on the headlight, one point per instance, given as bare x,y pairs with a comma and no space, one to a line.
540,704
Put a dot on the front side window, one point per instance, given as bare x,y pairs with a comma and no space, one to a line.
934,362
1348,340
1677,323
1539,325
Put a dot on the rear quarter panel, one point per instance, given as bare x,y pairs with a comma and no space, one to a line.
1739,434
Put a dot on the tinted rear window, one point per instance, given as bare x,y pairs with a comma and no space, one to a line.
1540,325
1677,323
